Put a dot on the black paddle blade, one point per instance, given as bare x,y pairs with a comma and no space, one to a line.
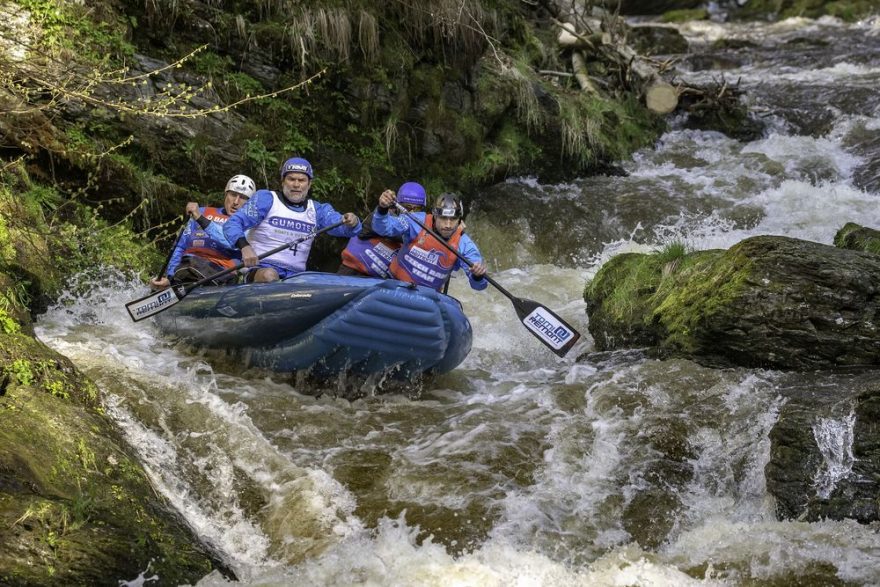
546,325
155,303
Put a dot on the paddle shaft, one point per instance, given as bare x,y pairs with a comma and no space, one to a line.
189,287
171,253
163,299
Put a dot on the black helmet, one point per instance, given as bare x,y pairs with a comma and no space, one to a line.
448,206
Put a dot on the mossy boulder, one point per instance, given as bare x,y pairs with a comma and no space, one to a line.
778,9
768,301
76,508
858,238
625,298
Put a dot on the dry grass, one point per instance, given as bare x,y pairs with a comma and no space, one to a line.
464,25
391,134
368,36
268,8
334,29
315,32
581,133
161,14
241,33
527,107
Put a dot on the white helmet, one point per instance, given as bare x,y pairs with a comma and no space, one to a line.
241,184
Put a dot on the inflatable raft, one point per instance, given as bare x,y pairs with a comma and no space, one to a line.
326,323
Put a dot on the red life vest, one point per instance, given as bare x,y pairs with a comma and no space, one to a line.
370,256
425,260
206,247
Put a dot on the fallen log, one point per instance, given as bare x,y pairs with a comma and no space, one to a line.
579,66
661,97
570,38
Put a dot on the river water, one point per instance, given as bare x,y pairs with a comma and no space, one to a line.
519,467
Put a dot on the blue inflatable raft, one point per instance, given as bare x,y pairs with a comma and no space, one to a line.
327,323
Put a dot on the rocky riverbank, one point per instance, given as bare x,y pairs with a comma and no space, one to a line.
772,302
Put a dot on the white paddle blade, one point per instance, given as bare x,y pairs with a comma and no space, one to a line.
152,304
551,330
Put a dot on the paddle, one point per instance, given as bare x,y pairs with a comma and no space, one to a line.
542,322
162,300
161,273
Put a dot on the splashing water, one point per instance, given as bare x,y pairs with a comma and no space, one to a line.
835,441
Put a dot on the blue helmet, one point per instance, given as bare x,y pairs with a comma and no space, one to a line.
412,193
298,165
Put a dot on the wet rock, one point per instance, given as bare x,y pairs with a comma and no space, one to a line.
768,301
651,516
866,143
652,39
715,61
825,456
734,44
652,6
76,508
652,513
719,106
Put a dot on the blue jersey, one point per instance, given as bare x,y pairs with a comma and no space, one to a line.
257,208
210,242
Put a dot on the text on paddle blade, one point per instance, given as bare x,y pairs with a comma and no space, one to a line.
548,328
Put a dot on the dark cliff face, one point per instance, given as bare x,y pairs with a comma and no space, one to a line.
373,93
115,114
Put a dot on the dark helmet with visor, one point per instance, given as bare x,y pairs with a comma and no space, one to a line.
448,206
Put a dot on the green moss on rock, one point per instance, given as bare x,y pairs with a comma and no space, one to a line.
705,283
858,238
75,506
845,9
684,15
651,299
